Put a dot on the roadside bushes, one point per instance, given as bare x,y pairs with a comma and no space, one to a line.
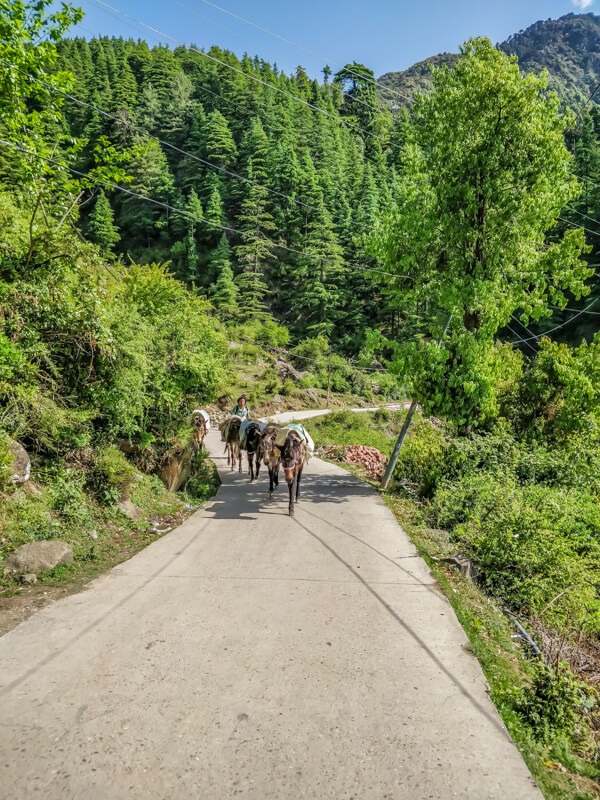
555,701
87,354
421,457
522,499
536,547
558,393
111,475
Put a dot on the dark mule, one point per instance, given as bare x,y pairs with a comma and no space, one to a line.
232,442
293,458
253,448
271,455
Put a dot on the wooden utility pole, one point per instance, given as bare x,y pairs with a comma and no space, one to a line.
329,376
389,471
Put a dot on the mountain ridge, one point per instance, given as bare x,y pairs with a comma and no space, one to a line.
567,47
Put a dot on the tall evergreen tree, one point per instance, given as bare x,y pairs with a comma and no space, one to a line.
101,228
219,145
255,252
224,292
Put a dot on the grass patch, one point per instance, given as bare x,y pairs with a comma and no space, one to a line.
370,428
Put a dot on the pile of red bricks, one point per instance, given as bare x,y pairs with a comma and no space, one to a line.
369,458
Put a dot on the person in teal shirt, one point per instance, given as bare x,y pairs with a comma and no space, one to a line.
241,410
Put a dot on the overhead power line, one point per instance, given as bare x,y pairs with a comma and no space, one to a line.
301,47
248,75
512,330
558,327
581,214
225,28
575,225
187,214
578,310
589,100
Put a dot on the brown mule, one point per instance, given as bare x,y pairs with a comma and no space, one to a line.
232,442
271,455
293,458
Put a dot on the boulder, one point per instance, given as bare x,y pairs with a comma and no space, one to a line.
93,534
463,564
313,394
130,510
29,577
37,557
277,399
285,370
21,465
177,470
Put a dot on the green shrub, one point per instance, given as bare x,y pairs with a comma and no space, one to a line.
537,547
554,701
112,475
558,393
381,415
249,352
308,381
66,497
421,456
24,520
6,460
288,387
204,481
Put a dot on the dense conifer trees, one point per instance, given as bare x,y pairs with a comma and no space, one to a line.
273,168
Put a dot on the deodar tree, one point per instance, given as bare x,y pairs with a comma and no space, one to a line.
486,174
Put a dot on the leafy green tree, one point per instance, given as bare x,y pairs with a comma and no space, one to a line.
149,109
125,89
254,150
185,251
587,165
28,109
319,275
487,174
101,228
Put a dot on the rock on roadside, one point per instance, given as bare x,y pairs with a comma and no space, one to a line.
21,465
130,510
35,557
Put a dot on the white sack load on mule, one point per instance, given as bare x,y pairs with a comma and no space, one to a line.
199,412
301,433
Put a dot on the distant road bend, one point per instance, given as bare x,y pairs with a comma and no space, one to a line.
250,655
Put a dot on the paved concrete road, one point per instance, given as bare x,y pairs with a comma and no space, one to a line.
254,656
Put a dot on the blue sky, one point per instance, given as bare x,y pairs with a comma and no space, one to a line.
385,35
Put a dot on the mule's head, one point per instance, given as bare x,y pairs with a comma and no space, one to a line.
199,423
268,437
253,437
291,455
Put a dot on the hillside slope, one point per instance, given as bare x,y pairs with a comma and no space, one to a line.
568,47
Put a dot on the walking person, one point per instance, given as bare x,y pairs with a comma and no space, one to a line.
241,409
